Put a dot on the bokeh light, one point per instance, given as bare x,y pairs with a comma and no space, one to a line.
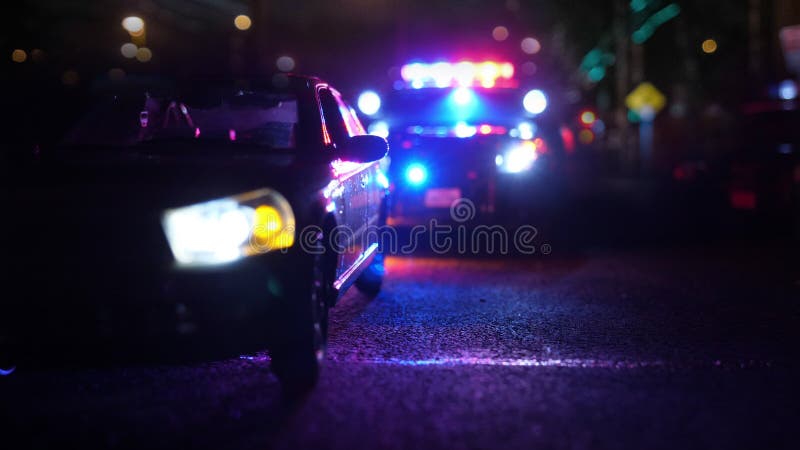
133,25
19,56
144,54
129,50
586,136
709,46
500,33
369,102
588,118
787,90
535,102
530,45
285,63
463,96
242,22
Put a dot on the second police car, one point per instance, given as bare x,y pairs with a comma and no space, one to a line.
464,130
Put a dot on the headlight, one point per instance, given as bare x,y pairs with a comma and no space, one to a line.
535,102
518,158
228,229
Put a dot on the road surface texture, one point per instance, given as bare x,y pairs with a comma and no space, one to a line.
639,349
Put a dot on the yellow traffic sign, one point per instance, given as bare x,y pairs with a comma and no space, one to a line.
646,97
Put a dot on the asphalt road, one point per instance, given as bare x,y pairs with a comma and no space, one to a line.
686,348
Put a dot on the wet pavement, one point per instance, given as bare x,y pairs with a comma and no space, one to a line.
647,348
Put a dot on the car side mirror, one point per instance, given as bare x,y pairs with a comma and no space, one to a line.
363,148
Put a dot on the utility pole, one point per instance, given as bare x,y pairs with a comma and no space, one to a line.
755,42
260,36
622,82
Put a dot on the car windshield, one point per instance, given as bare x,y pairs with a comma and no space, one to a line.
434,106
147,116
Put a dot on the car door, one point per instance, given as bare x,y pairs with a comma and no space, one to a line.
358,204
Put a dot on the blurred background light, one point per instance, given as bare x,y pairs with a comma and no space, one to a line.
518,158
379,128
530,45
441,73
507,71
285,63
709,46
535,102
525,130
586,136
19,55
143,54
416,174
129,50
133,25
462,130
500,33
464,73
369,102
488,74
588,118
787,90
242,22
463,96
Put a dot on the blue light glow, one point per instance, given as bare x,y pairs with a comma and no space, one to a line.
416,174
787,90
382,180
463,96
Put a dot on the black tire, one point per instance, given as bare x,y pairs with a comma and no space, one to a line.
301,326
371,279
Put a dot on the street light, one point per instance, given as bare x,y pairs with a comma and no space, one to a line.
133,25
242,22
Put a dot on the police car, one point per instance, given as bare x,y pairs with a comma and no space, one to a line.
463,130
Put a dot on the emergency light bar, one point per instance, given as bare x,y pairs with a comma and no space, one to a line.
487,74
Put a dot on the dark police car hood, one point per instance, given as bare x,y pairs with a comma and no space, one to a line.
152,178
69,206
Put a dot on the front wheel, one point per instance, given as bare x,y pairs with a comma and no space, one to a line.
302,332
371,279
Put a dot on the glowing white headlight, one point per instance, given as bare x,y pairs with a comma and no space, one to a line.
535,102
227,229
518,158
369,102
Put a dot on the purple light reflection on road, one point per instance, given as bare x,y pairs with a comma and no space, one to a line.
518,362
579,363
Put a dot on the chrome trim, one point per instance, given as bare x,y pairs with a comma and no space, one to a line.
349,276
